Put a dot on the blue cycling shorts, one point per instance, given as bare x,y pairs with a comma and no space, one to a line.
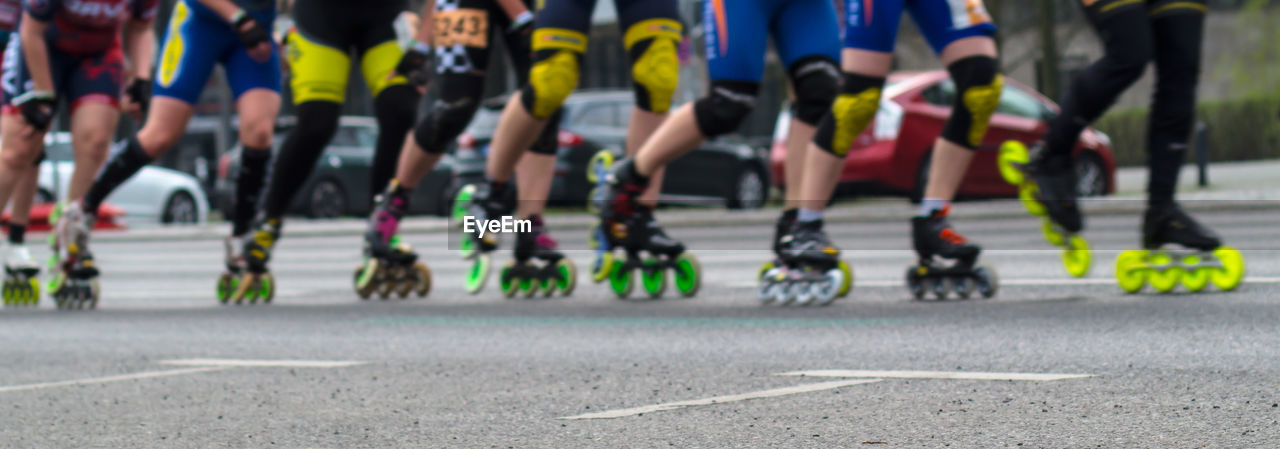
873,24
195,42
737,35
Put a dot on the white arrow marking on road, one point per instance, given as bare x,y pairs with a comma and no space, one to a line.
620,413
107,379
264,363
1035,377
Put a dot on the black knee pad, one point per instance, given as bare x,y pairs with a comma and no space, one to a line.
850,113
815,81
549,141
978,85
725,107
443,123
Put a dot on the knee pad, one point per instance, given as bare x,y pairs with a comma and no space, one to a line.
815,82
978,85
655,65
444,123
557,54
725,107
851,112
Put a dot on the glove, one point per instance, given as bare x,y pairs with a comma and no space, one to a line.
413,64
37,108
139,92
250,36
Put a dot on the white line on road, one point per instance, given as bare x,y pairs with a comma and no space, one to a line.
1035,377
621,413
107,379
263,363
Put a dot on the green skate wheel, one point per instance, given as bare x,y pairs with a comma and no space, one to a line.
846,283
688,275
506,282
1051,232
1231,274
764,269
226,287
467,247
1028,196
266,288
1012,152
528,286
478,274
1076,257
600,162
422,275
566,276
602,267
1165,274
461,201
620,280
1131,270
1197,279
653,278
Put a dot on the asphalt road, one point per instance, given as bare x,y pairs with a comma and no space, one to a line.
320,368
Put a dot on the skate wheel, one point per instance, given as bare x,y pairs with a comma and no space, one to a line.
963,286
764,270
653,278
829,289
598,165
1165,274
769,280
467,248
1076,257
34,298
528,286
602,267
846,283
226,287
566,276
915,281
1028,196
620,280
803,292
94,290
1051,232
460,203
478,274
938,286
507,282
688,275
1197,279
363,278
1012,153
1231,274
986,280
405,282
266,288
422,276
1131,271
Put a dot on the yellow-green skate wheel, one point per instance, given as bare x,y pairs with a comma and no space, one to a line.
620,280
266,288
1051,232
1028,196
568,276
688,275
1131,271
847,284
506,282
34,299
602,267
1012,152
422,275
764,269
1196,280
7,293
1076,257
599,163
1231,274
653,278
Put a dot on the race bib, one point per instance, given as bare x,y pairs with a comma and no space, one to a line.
466,27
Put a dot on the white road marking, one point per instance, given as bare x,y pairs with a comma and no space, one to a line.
1035,377
621,413
885,283
263,363
118,378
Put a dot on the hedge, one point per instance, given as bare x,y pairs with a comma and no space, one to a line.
1239,129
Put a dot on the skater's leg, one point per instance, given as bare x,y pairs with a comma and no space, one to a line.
92,125
974,69
24,196
166,121
1178,33
257,110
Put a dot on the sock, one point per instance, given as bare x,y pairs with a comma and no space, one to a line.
249,182
17,234
119,169
929,205
809,215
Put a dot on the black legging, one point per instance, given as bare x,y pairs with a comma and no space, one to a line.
1166,31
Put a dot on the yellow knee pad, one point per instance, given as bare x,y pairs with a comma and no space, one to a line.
319,72
981,102
851,114
555,73
656,69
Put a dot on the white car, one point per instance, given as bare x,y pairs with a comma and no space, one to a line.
153,195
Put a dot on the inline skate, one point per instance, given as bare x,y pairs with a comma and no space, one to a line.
481,203
1198,259
1047,187
537,267
646,247
75,276
947,261
389,265
808,269
21,272
256,282
234,259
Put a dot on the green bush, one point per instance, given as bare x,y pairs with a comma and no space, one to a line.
1239,129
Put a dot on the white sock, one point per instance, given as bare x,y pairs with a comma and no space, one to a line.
808,215
928,205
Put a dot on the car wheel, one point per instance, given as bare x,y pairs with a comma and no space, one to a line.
749,189
1091,178
326,200
180,209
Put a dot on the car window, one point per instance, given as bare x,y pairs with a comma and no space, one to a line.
597,114
345,137
941,94
623,115
1016,102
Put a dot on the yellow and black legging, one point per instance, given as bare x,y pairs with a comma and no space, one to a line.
328,31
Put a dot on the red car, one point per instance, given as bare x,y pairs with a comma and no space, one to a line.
109,217
891,155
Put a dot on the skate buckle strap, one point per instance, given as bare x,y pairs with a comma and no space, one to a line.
951,236
545,241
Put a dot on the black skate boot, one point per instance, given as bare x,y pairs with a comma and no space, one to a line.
257,283
628,225
946,261
537,265
75,284
1196,256
389,265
